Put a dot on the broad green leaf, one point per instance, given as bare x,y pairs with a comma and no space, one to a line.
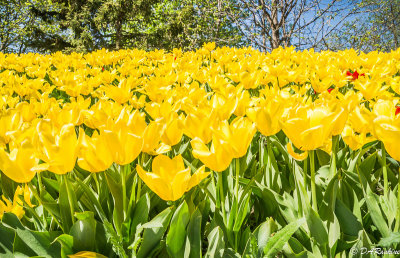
242,213
66,242
37,243
114,239
193,239
317,228
152,236
140,213
263,232
392,240
67,203
177,231
251,247
6,241
84,232
347,221
93,199
216,244
116,192
376,214
276,243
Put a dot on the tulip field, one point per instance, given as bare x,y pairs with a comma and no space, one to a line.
218,152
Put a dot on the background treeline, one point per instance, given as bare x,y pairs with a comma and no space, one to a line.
46,26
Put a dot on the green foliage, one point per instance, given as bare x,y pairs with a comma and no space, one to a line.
83,26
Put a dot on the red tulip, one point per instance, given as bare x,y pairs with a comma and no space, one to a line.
354,75
397,110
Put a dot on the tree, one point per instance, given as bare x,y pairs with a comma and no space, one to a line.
146,24
274,23
376,29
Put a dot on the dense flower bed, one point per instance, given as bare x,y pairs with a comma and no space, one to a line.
199,153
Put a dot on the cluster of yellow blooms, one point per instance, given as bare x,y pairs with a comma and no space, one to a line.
107,107
16,206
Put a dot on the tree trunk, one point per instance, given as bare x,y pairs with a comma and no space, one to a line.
118,34
275,37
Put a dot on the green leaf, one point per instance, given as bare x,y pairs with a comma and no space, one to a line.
140,213
67,204
152,236
263,232
328,205
193,239
116,192
84,232
7,236
251,247
66,242
376,214
114,239
37,243
368,164
323,157
93,199
391,240
216,244
276,243
317,227
347,220
242,212
11,220
177,231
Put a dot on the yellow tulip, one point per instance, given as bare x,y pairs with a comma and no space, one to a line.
21,164
16,206
26,110
218,157
296,156
169,178
173,130
86,254
239,134
125,136
223,106
152,138
361,120
387,126
94,154
57,146
266,115
355,140
309,127
199,123
388,131
9,125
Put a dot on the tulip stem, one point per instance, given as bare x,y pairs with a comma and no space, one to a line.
96,182
384,168
313,188
217,202
332,168
221,193
396,227
69,195
123,182
138,193
39,177
305,171
36,195
237,167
